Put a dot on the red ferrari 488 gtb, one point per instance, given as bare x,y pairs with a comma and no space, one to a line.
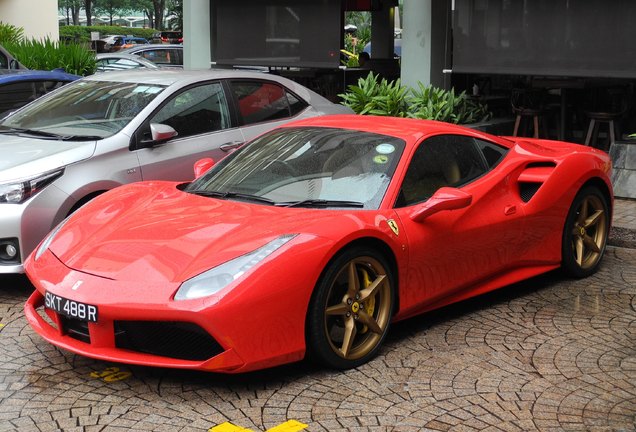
311,240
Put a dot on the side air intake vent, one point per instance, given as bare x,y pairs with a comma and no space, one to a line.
532,177
527,190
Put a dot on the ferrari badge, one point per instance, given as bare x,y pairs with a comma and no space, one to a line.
393,226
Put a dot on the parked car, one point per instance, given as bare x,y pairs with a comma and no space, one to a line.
7,61
18,87
109,129
121,61
168,37
161,55
313,239
104,44
127,42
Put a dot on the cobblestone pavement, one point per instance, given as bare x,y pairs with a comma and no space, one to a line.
550,354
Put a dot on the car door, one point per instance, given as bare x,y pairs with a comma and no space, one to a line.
452,249
201,117
263,105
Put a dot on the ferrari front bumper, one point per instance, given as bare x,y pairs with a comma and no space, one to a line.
167,343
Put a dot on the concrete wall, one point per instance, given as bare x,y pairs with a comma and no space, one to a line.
38,18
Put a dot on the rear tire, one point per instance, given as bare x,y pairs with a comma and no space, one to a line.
585,233
351,309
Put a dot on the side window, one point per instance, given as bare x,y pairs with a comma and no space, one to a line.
492,152
159,56
296,104
43,87
260,101
443,160
15,95
116,64
4,62
197,110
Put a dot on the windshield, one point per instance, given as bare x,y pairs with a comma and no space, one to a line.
307,167
96,109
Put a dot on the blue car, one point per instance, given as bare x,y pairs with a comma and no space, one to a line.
18,87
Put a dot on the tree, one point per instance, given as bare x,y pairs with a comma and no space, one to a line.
175,9
73,9
88,8
146,7
159,7
111,8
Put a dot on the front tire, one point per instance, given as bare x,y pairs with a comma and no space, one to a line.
351,309
585,233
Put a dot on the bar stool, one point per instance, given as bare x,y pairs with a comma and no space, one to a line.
609,107
597,119
527,105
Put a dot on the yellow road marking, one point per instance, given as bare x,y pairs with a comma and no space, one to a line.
228,427
288,426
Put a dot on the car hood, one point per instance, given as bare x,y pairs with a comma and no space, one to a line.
24,157
153,232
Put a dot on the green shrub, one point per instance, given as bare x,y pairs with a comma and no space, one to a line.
370,97
10,33
83,33
47,55
392,99
434,103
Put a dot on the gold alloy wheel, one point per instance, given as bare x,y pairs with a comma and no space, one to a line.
358,308
589,232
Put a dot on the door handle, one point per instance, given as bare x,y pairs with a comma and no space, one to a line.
510,210
231,145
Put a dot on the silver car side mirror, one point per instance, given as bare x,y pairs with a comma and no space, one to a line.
161,132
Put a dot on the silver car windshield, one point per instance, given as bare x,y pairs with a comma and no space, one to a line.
85,109
307,167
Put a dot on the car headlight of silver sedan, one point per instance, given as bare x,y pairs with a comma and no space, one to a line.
17,192
217,278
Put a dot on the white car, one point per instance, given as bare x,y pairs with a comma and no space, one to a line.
118,61
109,129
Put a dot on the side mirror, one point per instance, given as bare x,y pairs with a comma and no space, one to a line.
445,198
161,132
201,166
13,64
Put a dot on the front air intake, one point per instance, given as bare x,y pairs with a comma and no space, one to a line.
178,340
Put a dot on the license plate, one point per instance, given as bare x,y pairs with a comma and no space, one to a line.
70,308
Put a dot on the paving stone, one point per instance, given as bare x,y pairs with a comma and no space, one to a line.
550,354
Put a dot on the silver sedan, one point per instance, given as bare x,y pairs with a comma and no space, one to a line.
120,127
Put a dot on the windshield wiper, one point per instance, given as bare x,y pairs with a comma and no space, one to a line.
240,196
322,203
44,134
80,137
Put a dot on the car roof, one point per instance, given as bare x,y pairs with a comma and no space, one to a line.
410,130
146,47
132,57
16,75
169,76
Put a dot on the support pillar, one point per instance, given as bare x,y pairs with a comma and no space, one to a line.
197,39
426,42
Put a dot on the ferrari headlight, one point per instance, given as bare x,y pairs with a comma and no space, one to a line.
19,191
219,277
48,240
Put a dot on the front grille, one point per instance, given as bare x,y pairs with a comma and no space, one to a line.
527,190
75,328
179,340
